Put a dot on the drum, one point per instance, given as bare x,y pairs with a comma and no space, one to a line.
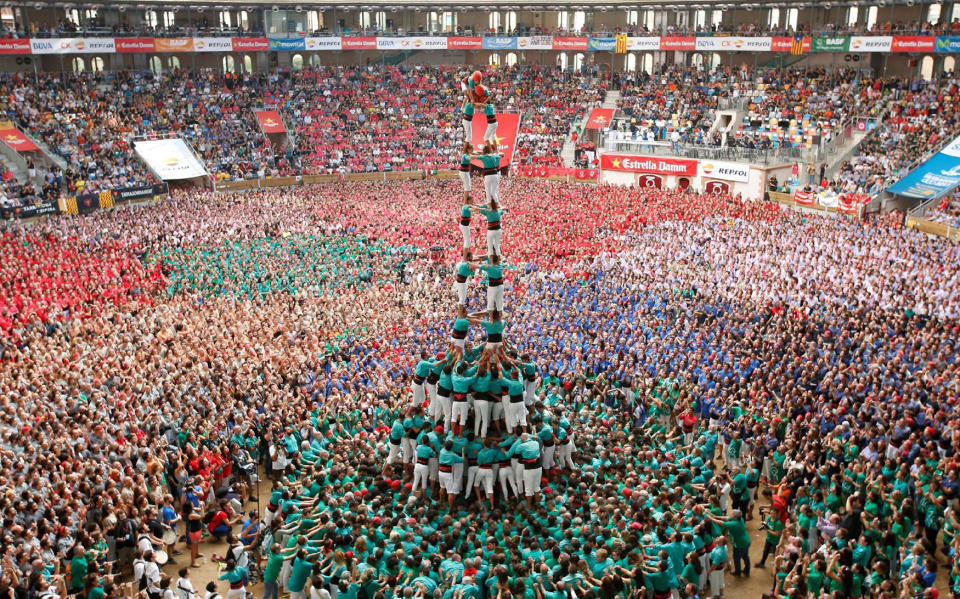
169,537
161,557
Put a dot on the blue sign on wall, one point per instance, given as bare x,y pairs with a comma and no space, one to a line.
602,44
499,43
933,178
287,44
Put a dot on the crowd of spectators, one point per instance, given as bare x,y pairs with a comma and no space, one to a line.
919,119
947,210
343,119
721,363
203,25
381,118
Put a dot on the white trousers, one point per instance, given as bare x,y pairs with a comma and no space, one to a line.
529,392
458,477
471,479
461,291
482,420
531,481
514,413
548,453
717,583
467,237
240,593
491,133
446,406
564,455
508,481
409,449
493,241
491,185
421,476
485,480
467,130
460,411
495,297
467,182
446,482
419,395
394,452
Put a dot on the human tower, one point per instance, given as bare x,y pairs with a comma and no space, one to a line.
490,384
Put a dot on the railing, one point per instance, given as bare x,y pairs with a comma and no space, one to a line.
933,228
738,103
728,153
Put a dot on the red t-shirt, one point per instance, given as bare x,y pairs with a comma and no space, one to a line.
218,519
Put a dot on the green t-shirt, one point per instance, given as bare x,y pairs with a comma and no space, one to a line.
78,571
272,569
299,574
774,530
737,530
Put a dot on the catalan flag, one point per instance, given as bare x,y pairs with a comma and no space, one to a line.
621,47
796,47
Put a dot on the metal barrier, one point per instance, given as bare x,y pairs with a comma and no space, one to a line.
738,103
728,153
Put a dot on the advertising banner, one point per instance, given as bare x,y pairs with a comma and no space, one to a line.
464,43
535,42
287,44
569,43
393,43
879,43
678,43
270,121
639,44
734,44
359,43
602,44
507,127
17,141
212,44
170,158
162,44
180,44
76,45
132,194
14,46
831,44
250,44
933,178
790,44
323,43
649,164
727,171
37,210
913,43
499,43
600,118
428,43
947,44
135,44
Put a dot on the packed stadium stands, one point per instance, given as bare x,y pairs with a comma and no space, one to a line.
333,368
